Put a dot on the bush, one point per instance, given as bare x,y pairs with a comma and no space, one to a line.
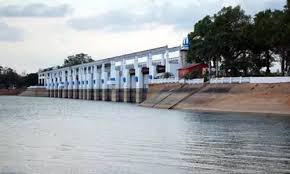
192,75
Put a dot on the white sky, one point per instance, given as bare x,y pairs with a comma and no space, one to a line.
39,34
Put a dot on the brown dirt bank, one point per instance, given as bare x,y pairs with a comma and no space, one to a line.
246,98
10,91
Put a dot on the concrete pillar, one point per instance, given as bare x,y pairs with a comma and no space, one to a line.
126,82
163,59
152,68
60,86
183,57
90,83
85,84
70,84
139,81
97,84
104,81
167,64
56,87
50,85
75,83
113,87
81,83
65,83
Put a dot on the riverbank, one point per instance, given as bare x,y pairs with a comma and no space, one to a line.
266,99
10,91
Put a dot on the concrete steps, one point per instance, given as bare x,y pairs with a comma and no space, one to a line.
157,95
178,96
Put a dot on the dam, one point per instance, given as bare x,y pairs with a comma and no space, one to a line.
140,78
122,78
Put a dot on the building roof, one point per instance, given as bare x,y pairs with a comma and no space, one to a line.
194,66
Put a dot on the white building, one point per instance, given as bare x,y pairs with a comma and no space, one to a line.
122,78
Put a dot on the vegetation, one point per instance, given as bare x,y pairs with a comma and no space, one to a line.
9,79
193,75
238,44
77,59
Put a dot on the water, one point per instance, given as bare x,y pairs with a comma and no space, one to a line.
47,136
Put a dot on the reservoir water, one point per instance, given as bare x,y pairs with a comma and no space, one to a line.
61,136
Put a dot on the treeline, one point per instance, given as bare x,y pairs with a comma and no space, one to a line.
10,79
238,44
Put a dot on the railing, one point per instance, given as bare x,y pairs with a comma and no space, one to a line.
173,80
192,81
162,81
229,80
225,80
35,87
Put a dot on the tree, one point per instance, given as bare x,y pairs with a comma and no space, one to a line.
241,44
223,37
30,79
77,59
231,29
282,37
201,48
265,27
9,78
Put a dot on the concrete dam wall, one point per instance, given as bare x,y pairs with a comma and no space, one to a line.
35,92
253,98
116,95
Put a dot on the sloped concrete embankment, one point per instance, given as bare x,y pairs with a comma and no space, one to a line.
157,93
248,98
35,92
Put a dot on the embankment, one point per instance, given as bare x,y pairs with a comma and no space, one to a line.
35,92
247,98
10,91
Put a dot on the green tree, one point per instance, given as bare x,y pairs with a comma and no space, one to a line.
77,59
242,44
231,30
9,78
30,80
265,27
282,37
202,44
222,38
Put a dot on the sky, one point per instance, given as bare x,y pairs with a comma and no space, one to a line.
40,34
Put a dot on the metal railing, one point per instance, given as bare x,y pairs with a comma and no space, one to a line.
229,80
174,80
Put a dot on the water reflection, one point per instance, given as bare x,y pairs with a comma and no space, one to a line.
42,135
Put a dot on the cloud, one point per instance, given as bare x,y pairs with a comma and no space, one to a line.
10,34
252,7
181,16
34,10
110,21
123,20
